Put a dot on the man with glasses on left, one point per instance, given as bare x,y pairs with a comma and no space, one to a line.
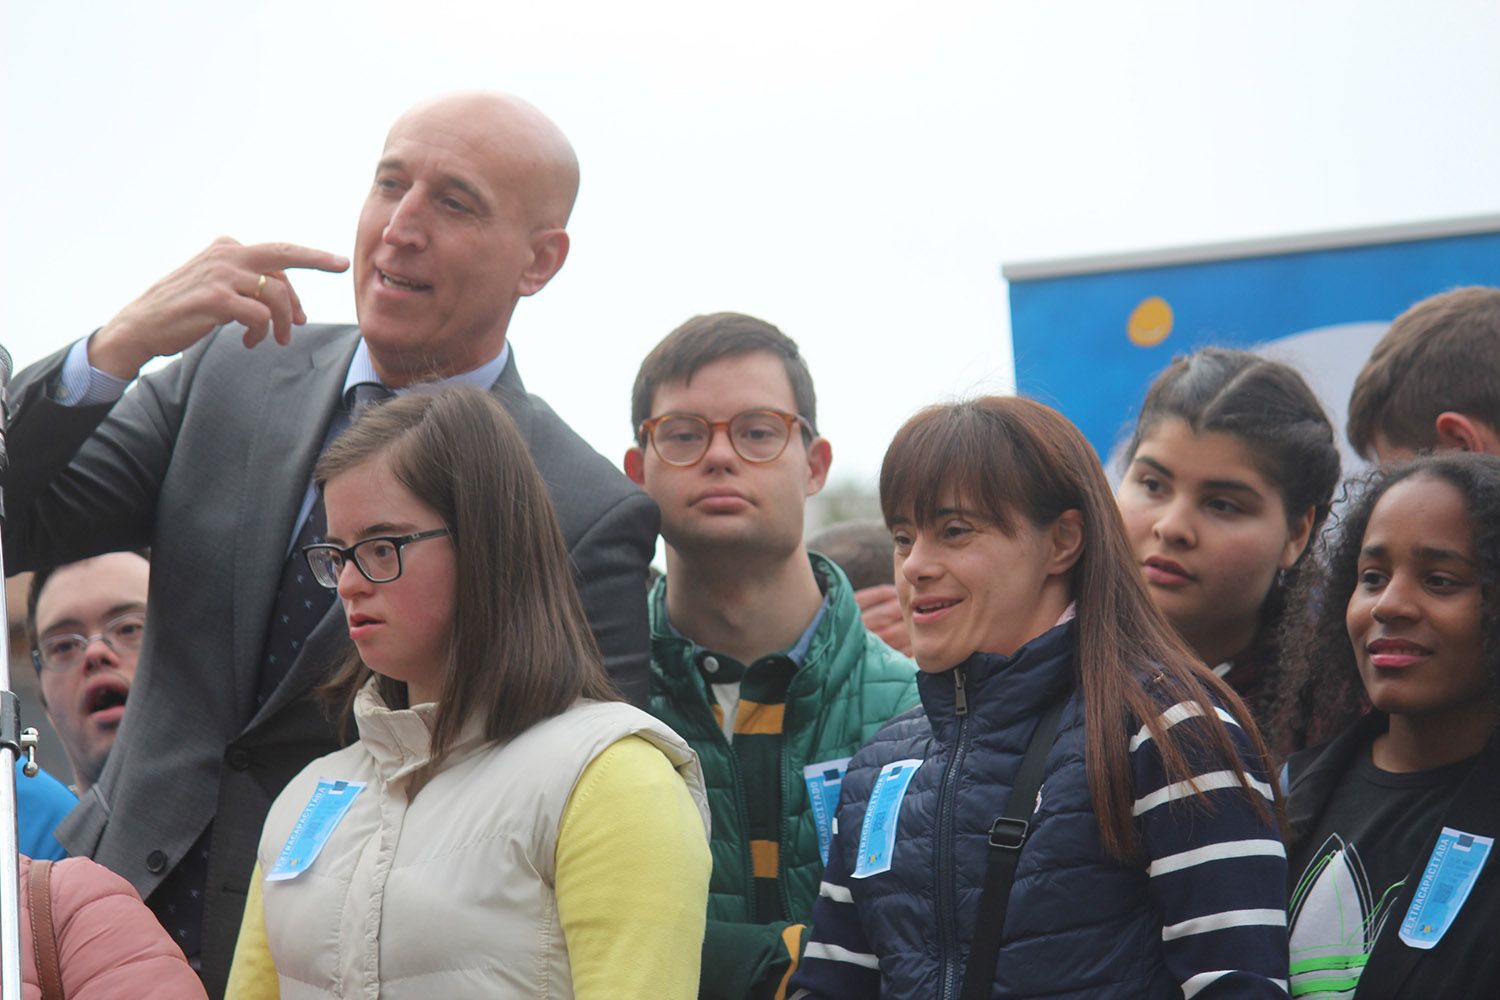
85,621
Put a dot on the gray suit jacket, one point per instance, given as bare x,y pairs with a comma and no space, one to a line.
206,461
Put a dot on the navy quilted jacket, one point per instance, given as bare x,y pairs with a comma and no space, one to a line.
1201,914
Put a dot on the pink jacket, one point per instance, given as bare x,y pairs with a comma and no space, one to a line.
109,945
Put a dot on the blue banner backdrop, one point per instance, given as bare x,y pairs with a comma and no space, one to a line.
1089,343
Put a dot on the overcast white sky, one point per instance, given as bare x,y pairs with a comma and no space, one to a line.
854,172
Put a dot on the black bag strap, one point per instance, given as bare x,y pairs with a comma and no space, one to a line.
1007,836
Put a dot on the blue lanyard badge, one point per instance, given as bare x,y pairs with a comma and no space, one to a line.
877,837
329,802
823,783
1450,875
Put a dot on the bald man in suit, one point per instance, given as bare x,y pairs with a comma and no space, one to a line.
208,463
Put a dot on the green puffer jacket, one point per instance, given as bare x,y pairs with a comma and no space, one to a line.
849,685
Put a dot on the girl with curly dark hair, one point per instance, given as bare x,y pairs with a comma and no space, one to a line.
1397,651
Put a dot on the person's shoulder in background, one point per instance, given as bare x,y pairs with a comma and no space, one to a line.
42,802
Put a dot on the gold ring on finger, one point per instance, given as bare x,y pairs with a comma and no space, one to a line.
260,286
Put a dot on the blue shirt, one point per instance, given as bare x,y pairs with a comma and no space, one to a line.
41,804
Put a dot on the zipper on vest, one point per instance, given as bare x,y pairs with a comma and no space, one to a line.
737,780
788,836
746,854
946,874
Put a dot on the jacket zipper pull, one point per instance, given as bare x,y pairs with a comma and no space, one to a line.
960,699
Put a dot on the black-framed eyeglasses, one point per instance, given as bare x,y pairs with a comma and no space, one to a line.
757,436
62,652
378,559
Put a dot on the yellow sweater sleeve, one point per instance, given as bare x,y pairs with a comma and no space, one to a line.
253,974
632,878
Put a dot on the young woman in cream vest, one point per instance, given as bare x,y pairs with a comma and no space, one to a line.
503,826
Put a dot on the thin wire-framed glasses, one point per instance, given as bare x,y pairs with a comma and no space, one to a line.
65,651
378,559
757,436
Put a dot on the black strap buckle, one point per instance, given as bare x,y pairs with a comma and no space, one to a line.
1009,834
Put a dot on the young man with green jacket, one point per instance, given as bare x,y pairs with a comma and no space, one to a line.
759,658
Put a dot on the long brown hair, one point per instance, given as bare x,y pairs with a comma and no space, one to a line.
521,650
1012,458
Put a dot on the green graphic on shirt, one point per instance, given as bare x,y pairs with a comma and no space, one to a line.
1335,921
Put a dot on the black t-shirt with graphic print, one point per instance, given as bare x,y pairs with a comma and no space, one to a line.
1347,873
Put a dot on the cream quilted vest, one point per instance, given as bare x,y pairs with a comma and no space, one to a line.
446,890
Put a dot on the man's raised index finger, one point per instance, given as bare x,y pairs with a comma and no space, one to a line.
277,256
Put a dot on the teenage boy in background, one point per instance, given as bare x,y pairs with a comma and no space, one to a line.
1433,381
758,655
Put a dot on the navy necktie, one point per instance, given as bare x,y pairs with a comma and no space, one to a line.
301,602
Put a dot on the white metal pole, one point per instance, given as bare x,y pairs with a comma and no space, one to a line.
10,889
10,746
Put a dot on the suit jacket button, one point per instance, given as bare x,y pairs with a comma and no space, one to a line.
156,862
238,758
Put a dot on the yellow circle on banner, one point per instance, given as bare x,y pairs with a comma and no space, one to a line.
1150,322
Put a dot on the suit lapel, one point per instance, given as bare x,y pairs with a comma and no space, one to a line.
511,393
324,649
295,407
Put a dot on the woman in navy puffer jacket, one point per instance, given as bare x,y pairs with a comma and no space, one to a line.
1154,865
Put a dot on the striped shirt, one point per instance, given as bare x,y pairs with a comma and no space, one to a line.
1214,868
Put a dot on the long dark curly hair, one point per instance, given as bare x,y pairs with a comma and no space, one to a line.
1322,694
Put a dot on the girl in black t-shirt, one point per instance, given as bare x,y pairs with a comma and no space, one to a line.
1393,892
